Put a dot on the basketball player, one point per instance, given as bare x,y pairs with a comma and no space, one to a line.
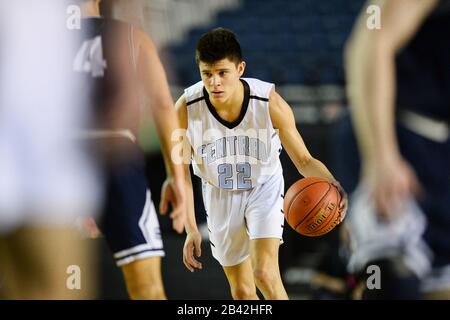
123,66
235,127
46,179
399,84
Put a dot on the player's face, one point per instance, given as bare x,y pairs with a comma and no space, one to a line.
221,79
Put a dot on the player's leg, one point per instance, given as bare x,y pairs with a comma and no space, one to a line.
8,286
229,239
265,223
48,263
266,271
144,280
131,229
134,238
240,279
434,203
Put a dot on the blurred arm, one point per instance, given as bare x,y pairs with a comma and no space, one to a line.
370,68
156,88
192,245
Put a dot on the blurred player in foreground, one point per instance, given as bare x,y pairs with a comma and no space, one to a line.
121,70
399,85
46,179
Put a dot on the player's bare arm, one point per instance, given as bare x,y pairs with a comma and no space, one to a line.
284,121
161,107
192,246
370,68
370,65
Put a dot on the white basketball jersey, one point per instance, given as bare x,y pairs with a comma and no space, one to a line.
238,155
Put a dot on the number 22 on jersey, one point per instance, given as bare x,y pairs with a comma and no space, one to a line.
244,173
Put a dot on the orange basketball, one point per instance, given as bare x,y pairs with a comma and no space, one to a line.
311,206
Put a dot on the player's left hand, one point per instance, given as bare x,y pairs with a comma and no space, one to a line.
192,250
173,191
343,204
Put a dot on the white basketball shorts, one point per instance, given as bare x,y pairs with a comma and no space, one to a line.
372,238
236,217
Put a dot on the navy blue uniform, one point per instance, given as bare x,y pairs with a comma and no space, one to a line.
106,61
130,222
423,87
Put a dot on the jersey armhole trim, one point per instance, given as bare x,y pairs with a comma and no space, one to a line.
259,98
268,112
194,101
188,137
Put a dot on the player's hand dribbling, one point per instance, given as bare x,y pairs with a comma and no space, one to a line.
173,191
343,204
192,245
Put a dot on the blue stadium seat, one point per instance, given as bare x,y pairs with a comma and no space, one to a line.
285,41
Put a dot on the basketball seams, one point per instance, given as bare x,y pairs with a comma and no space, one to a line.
329,226
335,214
295,203
312,210
296,195
318,202
332,223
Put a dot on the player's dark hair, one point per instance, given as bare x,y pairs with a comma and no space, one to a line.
218,44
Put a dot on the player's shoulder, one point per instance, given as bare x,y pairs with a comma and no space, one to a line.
194,93
181,110
259,88
257,82
180,104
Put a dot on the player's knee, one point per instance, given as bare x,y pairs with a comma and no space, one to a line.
143,280
397,282
243,292
263,277
146,291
